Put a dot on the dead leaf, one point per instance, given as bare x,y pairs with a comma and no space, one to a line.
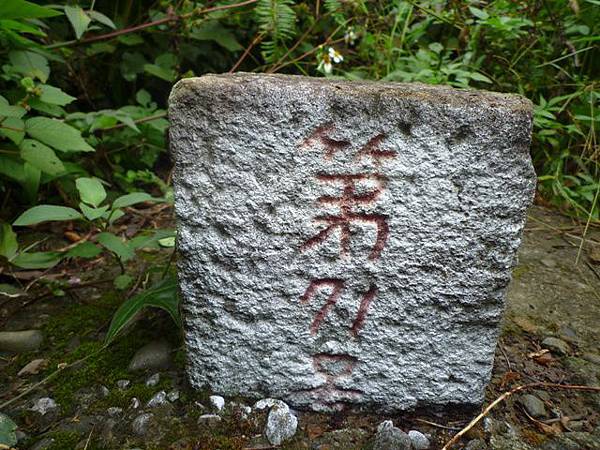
33,367
314,431
509,377
72,236
545,359
534,355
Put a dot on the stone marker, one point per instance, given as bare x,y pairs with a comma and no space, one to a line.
346,244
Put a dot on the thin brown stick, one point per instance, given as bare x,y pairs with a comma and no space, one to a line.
142,120
247,51
507,394
437,425
154,23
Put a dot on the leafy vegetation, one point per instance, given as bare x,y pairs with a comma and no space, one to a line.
84,84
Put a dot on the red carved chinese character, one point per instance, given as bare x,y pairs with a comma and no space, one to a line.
330,145
347,202
337,288
334,368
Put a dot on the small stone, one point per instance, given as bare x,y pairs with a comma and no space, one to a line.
533,405
476,444
114,411
160,398
103,391
43,444
173,395
548,262
200,406
33,367
135,403
153,380
209,419
140,424
568,334
556,345
155,355
281,424
388,437
592,357
43,405
419,440
217,401
20,341
123,384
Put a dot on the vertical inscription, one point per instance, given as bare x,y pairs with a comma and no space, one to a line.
356,190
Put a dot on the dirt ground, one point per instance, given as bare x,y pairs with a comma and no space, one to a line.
555,294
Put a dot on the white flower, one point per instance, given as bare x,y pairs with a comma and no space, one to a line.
350,36
335,55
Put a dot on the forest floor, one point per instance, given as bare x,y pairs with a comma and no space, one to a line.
99,403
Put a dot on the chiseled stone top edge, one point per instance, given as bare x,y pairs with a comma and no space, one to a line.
441,94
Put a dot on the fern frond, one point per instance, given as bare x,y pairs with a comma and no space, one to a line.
277,20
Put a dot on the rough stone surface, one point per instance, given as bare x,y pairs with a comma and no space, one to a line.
346,244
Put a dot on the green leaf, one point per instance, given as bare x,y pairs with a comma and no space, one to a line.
41,156
115,245
31,181
84,250
45,213
131,199
92,213
46,108
160,72
6,110
162,295
168,242
143,97
13,129
163,67
99,17
57,134
479,13
8,241
78,18
151,240
114,215
479,77
132,64
30,64
20,9
37,260
55,96
90,190
213,31
123,281
8,437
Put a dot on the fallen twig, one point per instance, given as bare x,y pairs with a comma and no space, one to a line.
437,425
507,394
